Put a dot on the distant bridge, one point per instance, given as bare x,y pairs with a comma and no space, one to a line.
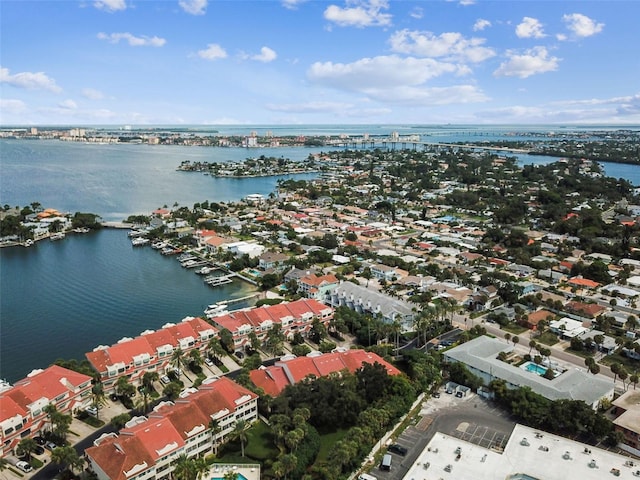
403,144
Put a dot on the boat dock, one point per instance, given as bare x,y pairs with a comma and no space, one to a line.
215,281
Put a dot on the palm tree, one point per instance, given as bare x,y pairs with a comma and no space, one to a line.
184,469
67,458
148,378
240,433
124,388
215,348
195,358
98,397
177,360
201,467
26,447
289,463
215,428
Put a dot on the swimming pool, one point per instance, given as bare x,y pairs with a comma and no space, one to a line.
239,477
534,368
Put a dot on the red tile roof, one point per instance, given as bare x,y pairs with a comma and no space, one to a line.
275,378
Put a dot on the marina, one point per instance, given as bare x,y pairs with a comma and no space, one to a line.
214,281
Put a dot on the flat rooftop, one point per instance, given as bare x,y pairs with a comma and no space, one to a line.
528,455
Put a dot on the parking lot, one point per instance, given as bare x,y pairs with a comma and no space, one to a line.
470,418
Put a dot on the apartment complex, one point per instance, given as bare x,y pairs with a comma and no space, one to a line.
148,446
294,317
22,406
149,352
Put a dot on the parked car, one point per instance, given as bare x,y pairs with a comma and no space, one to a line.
92,410
50,446
24,466
397,448
165,380
38,450
208,361
39,440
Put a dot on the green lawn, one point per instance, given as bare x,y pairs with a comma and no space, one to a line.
327,441
547,338
631,365
258,447
513,328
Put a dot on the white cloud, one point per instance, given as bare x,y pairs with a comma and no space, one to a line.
110,5
68,104
393,79
561,37
581,25
417,12
194,7
212,52
465,3
292,4
8,105
29,80
266,55
378,72
359,13
450,45
92,94
141,41
533,61
530,28
481,24
629,104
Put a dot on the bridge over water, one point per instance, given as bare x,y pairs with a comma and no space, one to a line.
403,144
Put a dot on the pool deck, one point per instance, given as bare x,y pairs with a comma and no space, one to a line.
248,471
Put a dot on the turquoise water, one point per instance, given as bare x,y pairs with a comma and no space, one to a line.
240,477
534,368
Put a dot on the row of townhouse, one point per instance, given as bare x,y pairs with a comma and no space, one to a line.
148,447
22,405
150,352
291,370
297,316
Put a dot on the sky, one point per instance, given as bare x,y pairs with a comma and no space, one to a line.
270,62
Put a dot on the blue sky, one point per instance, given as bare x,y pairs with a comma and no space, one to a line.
319,62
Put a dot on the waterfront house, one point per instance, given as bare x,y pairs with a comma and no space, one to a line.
148,446
289,371
22,405
271,260
149,352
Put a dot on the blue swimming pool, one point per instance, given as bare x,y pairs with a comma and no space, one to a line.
534,368
239,477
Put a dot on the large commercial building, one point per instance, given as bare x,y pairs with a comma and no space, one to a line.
529,454
480,355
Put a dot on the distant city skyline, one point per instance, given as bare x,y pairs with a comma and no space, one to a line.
248,62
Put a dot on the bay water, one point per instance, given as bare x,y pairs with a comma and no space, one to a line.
62,299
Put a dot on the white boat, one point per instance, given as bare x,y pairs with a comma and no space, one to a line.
57,236
158,245
205,270
139,241
28,242
216,310
81,230
136,233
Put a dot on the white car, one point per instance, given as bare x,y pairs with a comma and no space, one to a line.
92,410
208,361
24,466
164,379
